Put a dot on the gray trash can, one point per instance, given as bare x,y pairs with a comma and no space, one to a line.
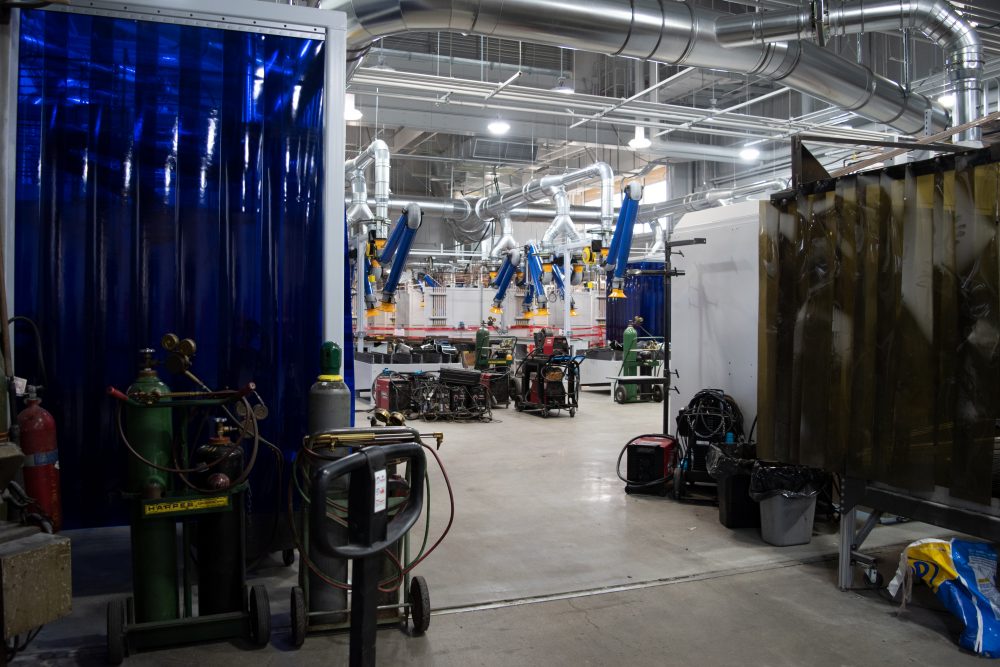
785,522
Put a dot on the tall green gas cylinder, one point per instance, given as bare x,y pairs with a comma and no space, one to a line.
483,348
329,408
154,541
630,360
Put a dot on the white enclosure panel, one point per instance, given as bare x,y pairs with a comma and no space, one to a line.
714,306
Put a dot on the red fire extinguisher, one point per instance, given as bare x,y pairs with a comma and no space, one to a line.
41,458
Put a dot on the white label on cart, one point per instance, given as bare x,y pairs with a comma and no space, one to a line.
380,490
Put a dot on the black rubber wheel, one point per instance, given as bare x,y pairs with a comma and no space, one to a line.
420,605
260,616
572,412
117,613
657,393
621,394
288,557
299,616
545,413
518,406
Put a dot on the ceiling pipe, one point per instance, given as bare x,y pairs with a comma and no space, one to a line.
376,153
536,189
506,241
562,226
676,33
822,19
698,201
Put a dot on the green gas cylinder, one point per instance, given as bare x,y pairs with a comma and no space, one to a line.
154,541
483,348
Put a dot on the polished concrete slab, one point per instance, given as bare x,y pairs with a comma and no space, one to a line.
541,514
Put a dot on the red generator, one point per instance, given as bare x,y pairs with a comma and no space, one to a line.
649,465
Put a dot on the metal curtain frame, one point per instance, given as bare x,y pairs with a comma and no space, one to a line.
262,17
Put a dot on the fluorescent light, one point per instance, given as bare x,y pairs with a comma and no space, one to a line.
498,126
947,100
563,86
639,141
749,154
351,112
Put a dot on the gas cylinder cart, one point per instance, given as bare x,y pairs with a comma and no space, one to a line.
203,487
320,601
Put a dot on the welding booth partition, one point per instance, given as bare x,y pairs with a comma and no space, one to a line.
169,178
879,346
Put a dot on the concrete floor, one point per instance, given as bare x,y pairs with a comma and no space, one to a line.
549,562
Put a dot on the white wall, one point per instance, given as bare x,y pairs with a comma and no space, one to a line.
714,306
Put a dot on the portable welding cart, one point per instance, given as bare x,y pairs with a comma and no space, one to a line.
382,590
712,417
548,379
205,489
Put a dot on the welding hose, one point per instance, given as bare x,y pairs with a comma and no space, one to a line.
618,466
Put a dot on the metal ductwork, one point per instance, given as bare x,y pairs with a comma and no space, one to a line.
659,241
376,153
506,241
562,226
822,19
698,201
676,33
536,189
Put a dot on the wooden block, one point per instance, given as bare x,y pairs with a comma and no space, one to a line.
35,582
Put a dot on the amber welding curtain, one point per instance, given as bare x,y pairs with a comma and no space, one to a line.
880,325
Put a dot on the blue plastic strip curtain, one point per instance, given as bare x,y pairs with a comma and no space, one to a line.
645,299
169,180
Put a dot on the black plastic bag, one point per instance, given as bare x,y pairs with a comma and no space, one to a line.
725,460
772,479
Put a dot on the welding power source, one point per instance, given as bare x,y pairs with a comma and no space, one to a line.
649,466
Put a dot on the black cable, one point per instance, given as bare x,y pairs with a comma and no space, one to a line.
38,346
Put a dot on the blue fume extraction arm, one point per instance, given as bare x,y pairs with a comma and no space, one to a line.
397,250
529,295
429,280
621,242
504,277
369,289
557,275
535,271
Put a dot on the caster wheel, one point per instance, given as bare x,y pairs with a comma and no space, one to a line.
260,616
299,615
117,613
518,407
657,394
621,395
420,605
572,412
545,413
288,557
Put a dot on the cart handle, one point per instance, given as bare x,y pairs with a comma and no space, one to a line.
366,463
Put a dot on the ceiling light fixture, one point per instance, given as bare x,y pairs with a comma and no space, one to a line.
498,126
947,100
563,86
351,112
749,154
639,141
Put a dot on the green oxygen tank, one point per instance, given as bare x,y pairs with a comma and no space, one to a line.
329,407
483,348
154,541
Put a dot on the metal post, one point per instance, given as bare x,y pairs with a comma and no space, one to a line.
334,141
567,298
848,524
360,307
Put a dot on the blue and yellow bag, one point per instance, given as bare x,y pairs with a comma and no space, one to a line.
963,576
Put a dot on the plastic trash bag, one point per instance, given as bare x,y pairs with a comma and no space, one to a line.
725,460
773,479
963,576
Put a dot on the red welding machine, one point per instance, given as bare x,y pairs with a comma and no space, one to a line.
650,464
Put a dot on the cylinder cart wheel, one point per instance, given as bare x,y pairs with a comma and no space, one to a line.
288,557
260,616
572,412
117,610
298,613
657,393
420,605
621,395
